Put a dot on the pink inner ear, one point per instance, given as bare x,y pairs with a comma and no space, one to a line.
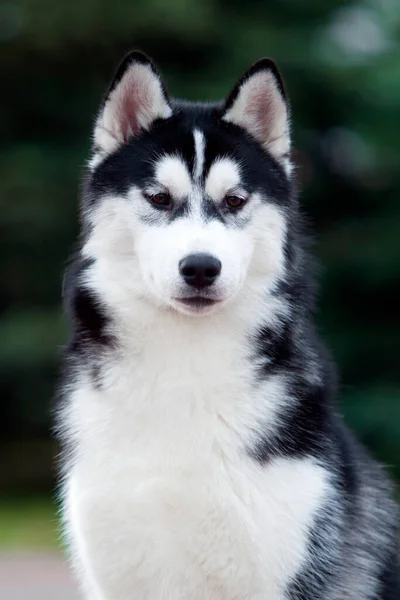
130,105
133,104
264,103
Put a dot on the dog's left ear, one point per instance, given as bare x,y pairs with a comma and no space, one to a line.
258,105
135,99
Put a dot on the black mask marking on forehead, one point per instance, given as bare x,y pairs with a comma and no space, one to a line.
134,163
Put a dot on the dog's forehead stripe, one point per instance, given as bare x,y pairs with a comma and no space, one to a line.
172,173
224,175
199,153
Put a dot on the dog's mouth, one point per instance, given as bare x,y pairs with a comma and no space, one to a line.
197,301
197,304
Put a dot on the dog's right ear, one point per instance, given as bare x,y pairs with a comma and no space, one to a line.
135,99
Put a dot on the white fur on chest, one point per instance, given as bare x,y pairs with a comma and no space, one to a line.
163,502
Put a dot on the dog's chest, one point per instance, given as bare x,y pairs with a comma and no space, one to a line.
212,531
164,501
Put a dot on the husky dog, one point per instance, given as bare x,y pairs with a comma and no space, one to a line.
203,456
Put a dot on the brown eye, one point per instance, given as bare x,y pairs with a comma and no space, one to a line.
235,201
161,200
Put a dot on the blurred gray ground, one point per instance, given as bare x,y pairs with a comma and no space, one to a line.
35,577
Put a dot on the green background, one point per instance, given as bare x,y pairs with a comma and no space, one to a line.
341,64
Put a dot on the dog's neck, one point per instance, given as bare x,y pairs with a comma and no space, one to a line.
246,366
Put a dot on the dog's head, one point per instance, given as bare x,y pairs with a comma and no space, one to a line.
186,203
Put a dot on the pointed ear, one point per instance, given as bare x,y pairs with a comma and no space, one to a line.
258,105
135,99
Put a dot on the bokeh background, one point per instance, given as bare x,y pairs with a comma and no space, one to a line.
341,64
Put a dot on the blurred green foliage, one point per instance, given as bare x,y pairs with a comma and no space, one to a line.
341,64
29,526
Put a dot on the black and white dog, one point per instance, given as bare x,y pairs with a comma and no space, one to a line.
204,457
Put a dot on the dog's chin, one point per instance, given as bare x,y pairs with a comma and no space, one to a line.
197,305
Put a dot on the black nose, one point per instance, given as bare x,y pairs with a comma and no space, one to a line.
200,270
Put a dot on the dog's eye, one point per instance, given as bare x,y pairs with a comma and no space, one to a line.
162,200
235,202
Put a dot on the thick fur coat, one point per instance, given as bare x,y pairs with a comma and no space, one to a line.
204,458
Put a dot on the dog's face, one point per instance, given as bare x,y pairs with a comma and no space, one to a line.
187,203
